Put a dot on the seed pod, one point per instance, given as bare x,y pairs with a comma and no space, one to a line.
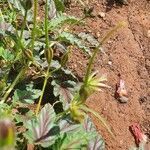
84,93
76,114
49,55
7,133
2,63
27,4
64,58
28,54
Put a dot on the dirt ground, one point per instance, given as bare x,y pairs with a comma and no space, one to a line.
127,54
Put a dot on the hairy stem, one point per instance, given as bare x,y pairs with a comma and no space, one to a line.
24,22
21,73
105,38
43,89
88,71
34,23
46,25
47,46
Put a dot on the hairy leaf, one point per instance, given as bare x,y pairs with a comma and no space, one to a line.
6,54
73,140
68,126
59,5
74,40
89,38
42,131
64,90
28,95
60,20
17,4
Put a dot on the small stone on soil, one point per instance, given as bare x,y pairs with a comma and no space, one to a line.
101,15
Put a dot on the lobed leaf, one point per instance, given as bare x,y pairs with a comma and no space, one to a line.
74,40
89,38
6,54
28,95
60,20
59,5
68,126
64,90
43,131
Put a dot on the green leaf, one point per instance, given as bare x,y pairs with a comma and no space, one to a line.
17,4
88,38
74,40
78,136
68,126
27,96
61,20
64,90
59,5
6,54
42,130
77,139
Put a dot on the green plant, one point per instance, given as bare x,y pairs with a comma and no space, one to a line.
31,69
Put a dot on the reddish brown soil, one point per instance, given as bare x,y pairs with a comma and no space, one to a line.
129,52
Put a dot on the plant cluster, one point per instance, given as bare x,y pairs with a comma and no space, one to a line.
33,57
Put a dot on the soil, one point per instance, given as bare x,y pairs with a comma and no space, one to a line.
127,53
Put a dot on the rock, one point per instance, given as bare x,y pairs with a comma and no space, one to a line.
110,63
101,14
123,99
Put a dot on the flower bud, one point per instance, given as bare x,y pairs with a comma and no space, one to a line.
76,113
84,94
64,58
49,55
27,4
7,133
28,54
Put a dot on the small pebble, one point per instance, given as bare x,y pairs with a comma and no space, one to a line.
123,99
110,63
102,14
98,34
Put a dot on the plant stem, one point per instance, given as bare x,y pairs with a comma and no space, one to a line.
111,32
43,89
21,73
47,46
105,38
88,71
34,24
24,22
46,25
1,15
